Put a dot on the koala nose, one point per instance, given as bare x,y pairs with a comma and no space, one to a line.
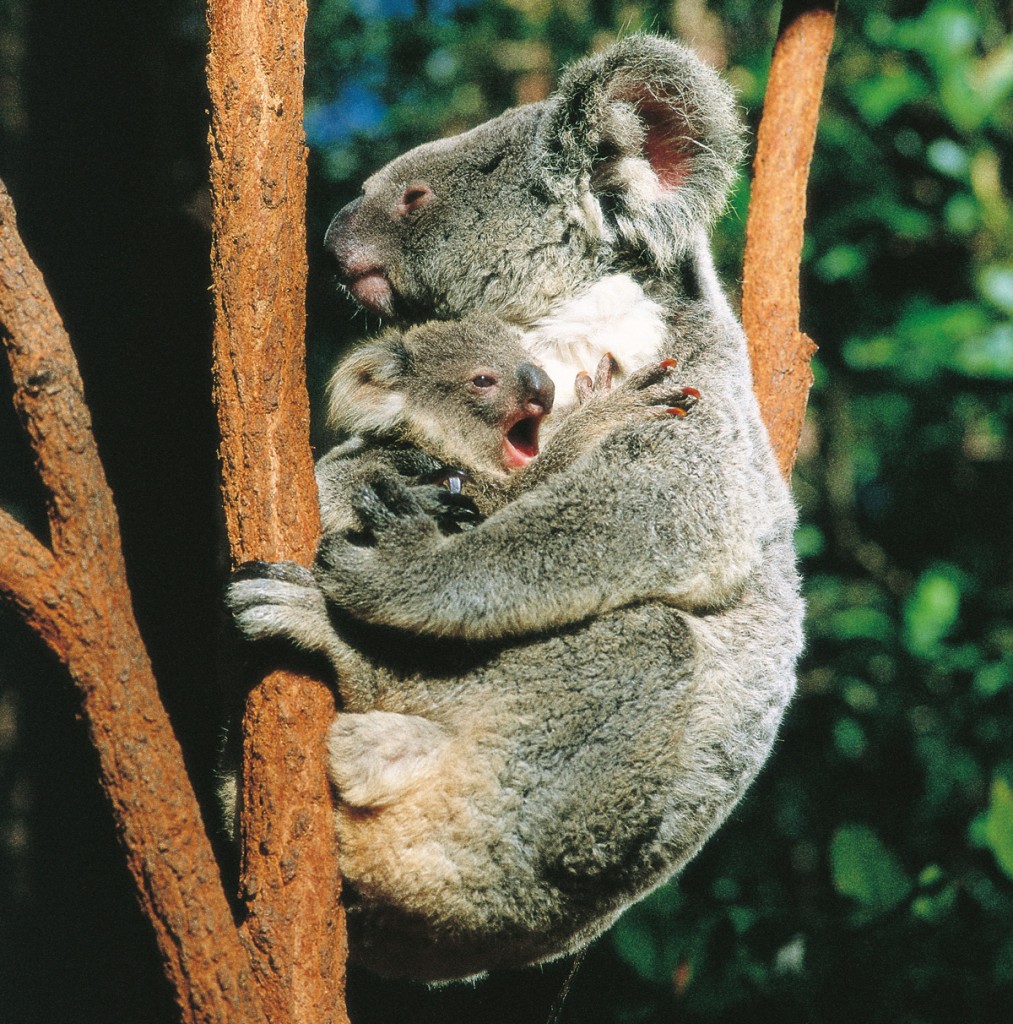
337,237
537,387
416,195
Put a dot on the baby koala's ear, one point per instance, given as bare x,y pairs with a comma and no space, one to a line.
651,135
365,395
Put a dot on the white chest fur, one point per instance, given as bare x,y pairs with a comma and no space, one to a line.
614,316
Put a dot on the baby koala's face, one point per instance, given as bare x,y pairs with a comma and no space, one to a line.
473,394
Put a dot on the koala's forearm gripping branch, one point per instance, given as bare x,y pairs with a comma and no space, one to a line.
74,594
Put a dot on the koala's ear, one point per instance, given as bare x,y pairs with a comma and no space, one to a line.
649,138
365,395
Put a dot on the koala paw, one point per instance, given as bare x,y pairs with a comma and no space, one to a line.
653,391
278,599
388,503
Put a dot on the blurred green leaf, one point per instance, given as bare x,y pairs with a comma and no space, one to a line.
936,898
880,97
864,870
645,939
842,261
860,695
948,157
996,827
808,541
861,624
945,31
849,738
992,678
962,214
989,354
934,907
995,282
645,951
994,77
932,610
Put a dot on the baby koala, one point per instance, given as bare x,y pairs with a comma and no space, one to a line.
498,803
448,403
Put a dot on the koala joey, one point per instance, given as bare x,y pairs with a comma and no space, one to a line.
442,403
546,711
460,405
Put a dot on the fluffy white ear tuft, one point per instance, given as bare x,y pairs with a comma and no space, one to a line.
652,135
363,395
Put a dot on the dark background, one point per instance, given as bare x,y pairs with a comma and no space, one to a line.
869,874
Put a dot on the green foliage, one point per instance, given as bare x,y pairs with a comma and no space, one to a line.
869,874
994,828
863,869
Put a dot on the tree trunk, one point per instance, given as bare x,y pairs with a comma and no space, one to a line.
74,594
290,884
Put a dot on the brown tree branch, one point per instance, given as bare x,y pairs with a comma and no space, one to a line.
79,603
290,882
26,569
770,298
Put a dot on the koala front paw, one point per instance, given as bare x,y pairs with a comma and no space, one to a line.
389,504
278,599
654,392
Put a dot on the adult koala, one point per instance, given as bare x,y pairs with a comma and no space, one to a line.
582,221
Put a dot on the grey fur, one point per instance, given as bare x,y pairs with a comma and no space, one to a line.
547,714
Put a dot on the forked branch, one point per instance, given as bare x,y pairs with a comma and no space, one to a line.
75,597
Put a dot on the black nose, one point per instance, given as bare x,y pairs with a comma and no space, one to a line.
536,386
337,236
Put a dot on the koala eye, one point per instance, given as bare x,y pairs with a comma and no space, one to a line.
483,381
415,196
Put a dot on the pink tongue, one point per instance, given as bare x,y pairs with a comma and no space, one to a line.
520,446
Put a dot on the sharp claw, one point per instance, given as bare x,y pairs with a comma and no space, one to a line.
605,371
253,569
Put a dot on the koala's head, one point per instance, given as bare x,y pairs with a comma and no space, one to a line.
619,169
464,391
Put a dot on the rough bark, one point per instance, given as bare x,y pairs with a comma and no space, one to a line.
290,884
75,597
770,290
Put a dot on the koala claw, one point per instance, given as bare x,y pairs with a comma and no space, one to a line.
387,504
452,479
684,400
286,572
648,375
605,372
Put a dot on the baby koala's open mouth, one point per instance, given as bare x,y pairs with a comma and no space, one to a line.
520,441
